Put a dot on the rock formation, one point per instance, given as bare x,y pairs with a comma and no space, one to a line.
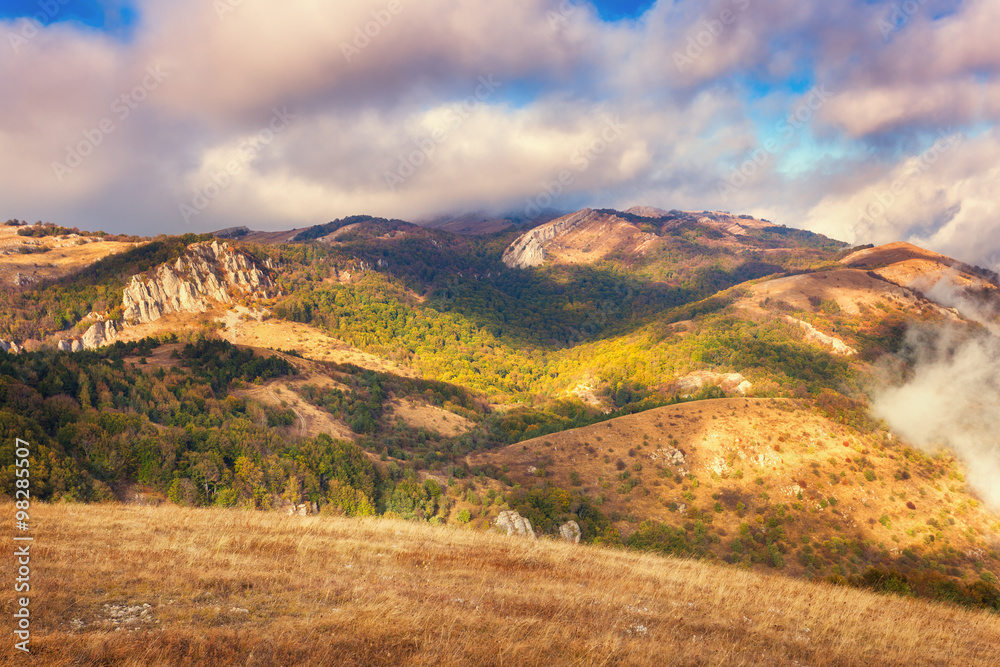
22,280
528,250
812,333
515,524
207,272
730,383
570,532
100,333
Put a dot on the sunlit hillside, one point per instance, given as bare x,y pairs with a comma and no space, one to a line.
166,586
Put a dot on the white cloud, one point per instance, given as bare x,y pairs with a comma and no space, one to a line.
357,113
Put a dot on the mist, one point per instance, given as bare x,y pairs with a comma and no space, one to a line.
949,395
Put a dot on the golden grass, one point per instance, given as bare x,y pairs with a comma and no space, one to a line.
63,257
329,591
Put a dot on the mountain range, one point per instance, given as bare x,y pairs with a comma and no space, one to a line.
688,383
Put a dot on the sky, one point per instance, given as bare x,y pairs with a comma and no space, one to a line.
867,121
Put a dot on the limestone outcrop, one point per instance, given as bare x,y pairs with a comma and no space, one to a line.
838,346
570,531
100,333
730,383
208,272
528,249
514,524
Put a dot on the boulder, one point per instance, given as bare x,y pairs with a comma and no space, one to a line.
515,524
570,532
100,333
695,381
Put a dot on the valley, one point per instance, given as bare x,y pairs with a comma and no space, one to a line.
692,390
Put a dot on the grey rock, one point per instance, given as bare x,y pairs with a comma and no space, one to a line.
515,524
100,333
528,249
570,532
208,272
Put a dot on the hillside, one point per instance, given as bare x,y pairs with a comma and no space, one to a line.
689,383
646,237
773,482
236,587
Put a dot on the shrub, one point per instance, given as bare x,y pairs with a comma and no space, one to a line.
464,516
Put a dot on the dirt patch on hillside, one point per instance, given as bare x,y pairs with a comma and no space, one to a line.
310,420
850,289
161,357
430,417
62,256
310,342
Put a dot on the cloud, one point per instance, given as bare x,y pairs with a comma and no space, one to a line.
950,400
700,86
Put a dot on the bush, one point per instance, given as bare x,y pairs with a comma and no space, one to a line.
464,516
884,581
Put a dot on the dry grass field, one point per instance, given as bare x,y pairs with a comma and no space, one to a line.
61,257
128,585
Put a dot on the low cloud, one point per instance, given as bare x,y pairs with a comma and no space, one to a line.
949,394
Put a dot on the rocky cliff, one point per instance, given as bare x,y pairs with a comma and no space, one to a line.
529,248
207,274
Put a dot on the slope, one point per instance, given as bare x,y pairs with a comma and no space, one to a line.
261,589
768,483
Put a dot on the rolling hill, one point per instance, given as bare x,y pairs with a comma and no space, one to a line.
694,384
